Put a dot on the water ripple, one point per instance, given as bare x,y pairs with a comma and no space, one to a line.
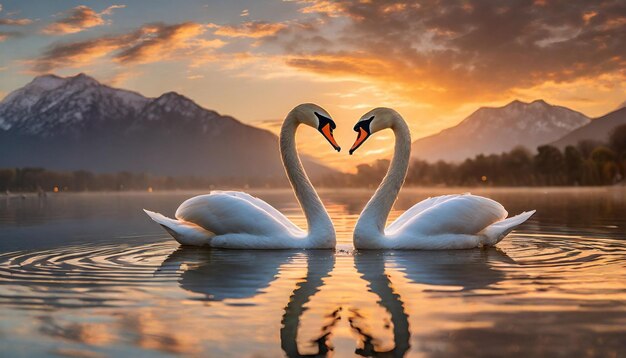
79,276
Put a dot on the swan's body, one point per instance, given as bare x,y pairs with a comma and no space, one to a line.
236,220
444,222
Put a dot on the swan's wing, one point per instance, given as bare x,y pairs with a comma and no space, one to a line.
463,214
186,233
416,209
497,231
225,213
263,205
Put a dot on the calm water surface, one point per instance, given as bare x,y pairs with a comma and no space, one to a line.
89,275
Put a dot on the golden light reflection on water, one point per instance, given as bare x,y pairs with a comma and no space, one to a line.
557,286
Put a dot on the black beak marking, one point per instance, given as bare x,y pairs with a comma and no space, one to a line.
323,122
365,126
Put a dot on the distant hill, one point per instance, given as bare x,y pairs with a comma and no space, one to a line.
78,123
598,130
497,130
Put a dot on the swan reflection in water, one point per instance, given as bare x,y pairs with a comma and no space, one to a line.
319,266
226,274
233,274
467,269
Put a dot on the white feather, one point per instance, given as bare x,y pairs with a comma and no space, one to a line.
237,220
444,222
496,232
184,232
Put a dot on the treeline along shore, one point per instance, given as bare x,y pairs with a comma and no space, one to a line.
587,164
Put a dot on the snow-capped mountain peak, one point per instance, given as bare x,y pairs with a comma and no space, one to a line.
78,123
498,129
46,82
174,101
50,103
28,95
83,79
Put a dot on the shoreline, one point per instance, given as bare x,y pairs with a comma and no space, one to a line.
35,194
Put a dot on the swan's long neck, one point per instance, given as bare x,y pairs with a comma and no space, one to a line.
321,230
371,223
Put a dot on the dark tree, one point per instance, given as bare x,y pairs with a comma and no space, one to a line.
7,178
587,146
603,159
516,167
573,165
549,163
617,141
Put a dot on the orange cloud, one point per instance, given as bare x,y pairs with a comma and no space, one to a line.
251,29
459,52
150,43
324,7
78,54
15,22
342,64
78,19
399,7
158,42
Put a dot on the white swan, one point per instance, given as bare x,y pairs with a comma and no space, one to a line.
444,222
236,220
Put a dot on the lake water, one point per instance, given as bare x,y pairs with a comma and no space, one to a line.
89,275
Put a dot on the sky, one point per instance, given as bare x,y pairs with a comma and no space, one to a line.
433,61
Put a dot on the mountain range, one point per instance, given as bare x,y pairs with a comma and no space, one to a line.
598,130
495,130
76,123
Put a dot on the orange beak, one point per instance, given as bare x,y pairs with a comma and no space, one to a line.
328,134
359,140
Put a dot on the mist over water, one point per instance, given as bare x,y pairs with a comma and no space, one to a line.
91,275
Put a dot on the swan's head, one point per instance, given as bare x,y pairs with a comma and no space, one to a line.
371,122
317,117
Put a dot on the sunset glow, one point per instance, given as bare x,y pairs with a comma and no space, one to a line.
433,62
328,178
